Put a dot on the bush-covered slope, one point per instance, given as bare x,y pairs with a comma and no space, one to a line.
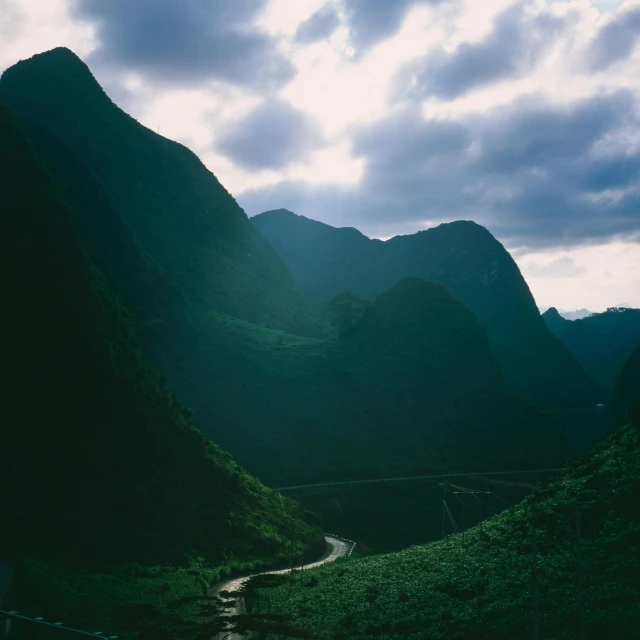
101,462
179,212
602,342
480,587
469,261
411,387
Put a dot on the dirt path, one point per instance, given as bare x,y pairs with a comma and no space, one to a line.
336,549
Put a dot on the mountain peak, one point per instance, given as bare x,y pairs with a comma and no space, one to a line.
58,58
54,77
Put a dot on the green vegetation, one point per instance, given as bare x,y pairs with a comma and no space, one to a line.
602,342
625,398
103,466
479,586
182,217
475,267
346,309
411,388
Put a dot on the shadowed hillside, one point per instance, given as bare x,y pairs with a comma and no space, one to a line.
179,212
624,405
469,261
102,464
480,585
557,324
602,342
412,386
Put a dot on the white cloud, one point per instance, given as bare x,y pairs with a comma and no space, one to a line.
595,277
28,27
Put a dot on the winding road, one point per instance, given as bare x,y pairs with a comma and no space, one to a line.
336,548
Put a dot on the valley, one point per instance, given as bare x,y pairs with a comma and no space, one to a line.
195,396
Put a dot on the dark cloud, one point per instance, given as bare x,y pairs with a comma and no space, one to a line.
535,174
319,26
270,137
186,41
371,21
615,41
513,47
534,136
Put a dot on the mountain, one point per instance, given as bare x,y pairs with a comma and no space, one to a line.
624,404
479,584
557,323
411,387
176,209
104,469
468,260
602,342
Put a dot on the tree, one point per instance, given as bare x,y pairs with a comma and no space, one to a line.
346,309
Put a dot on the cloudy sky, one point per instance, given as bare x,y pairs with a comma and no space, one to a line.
393,116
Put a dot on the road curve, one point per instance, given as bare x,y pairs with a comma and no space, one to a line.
336,548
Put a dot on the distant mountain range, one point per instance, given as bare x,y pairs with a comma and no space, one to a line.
601,342
474,266
576,314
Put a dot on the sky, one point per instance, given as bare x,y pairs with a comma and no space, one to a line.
393,116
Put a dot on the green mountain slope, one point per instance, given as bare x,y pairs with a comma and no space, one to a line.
479,587
103,465
602,342
469,261
412,387
180,214
557,324
625,398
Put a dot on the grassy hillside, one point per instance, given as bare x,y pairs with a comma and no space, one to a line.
104,468
480,586
602,342
179,212
469,261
